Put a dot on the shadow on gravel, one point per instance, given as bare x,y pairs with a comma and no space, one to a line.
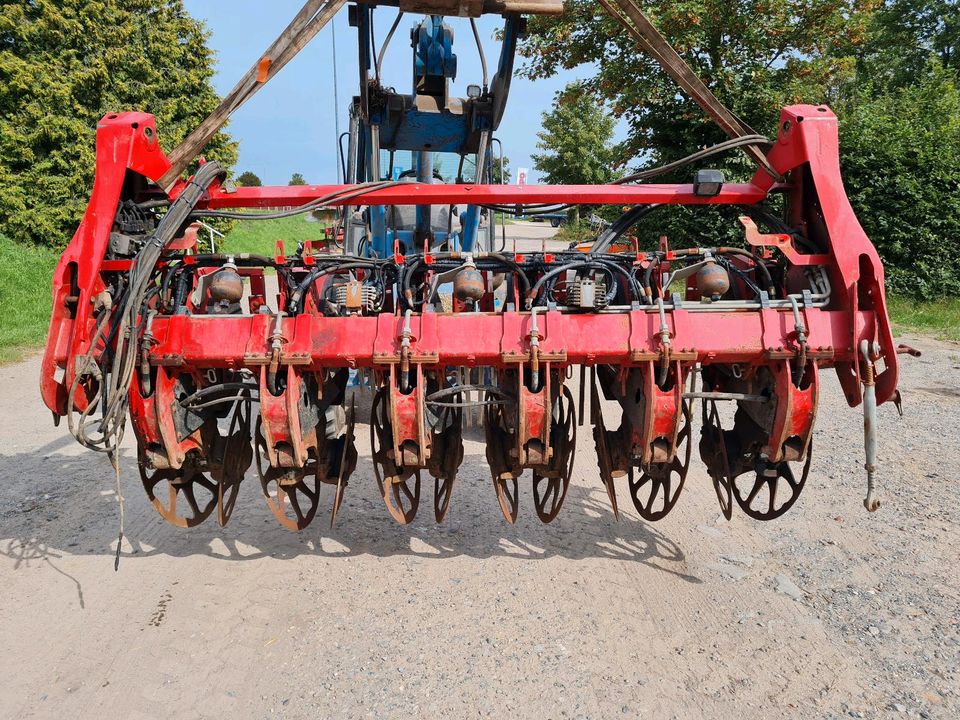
54,504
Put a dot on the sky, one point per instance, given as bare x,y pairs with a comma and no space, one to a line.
290,124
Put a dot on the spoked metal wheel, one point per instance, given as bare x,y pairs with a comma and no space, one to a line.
713,451
400,496
550,492
448,444
600,439
237,459
184,497
773,490
504,483
292,494
442,491
656,491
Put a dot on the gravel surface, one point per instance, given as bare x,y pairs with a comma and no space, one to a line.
828,612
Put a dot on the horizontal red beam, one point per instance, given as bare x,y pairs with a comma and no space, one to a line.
440,194
492,339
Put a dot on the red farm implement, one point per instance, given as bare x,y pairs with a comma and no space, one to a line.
219,371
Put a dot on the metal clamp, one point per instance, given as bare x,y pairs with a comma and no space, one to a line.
406,335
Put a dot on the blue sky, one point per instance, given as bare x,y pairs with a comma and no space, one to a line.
289,126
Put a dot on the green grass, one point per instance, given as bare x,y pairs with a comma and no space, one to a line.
940,318
259,237
25,297
575,232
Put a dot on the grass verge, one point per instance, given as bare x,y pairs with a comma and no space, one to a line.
940,318
25,297
260,237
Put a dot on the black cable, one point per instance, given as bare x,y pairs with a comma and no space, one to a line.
731,144
214,389
335,198
626,221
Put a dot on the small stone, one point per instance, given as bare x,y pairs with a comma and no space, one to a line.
786,586
873,630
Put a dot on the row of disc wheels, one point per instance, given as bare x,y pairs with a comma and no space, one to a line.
188,496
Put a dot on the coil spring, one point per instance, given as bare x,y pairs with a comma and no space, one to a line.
587,293
356,296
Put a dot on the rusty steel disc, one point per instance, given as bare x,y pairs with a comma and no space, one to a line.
508,492
442,491
447,445
288,491
237,459
770,484
603,451
348,461
713,452
549,492
656,491
498,457
401,499
189,496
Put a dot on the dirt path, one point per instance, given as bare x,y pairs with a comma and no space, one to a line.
828,612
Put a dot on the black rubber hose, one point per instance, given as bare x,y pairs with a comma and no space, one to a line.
758,263
731,144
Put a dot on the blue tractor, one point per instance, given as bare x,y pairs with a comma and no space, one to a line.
414,136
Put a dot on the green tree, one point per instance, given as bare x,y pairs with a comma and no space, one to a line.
63,66
576,139
900,168
905,37
249,179
756,56
501,173
297,179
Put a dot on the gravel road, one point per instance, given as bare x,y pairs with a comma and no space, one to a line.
829,612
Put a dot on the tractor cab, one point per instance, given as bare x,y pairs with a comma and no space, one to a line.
427,135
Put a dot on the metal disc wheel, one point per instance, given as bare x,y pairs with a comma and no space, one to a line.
600,439
550,492
450,443
508,496
237,459
656,491
504,482
292,494
184,497
774,490
713,451
402,499
348,461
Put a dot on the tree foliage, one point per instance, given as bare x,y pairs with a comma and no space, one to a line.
888,67
756,55
249,179
906,35
66,64
900,168
297,179
575,140
501,171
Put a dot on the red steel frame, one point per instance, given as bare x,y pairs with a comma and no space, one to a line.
127,145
